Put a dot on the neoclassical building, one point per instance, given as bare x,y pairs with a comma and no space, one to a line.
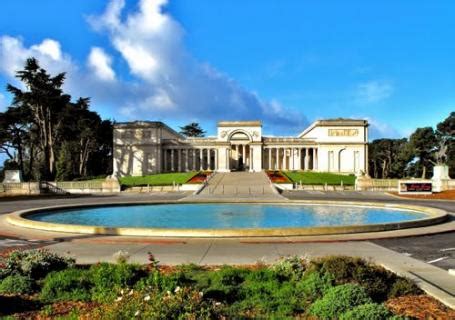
147,147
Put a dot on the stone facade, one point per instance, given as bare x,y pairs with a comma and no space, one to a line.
147,147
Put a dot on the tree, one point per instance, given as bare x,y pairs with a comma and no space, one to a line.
445,134
423,144
388,158
45,100
192,130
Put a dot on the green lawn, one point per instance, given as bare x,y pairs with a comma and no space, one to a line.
161,179
320,178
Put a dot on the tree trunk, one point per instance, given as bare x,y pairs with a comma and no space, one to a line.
424,171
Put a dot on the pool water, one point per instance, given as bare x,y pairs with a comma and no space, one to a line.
226,216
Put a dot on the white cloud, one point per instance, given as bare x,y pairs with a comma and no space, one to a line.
50,48
164,81
373,91
100,63
178,86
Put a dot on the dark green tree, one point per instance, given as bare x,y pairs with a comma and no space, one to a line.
44,100
445,134
388,158
192,129
423,144
64,168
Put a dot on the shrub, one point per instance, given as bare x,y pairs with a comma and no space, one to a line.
377,281
70,284
368,311
155,280
34,263
338,300
402,287
315,284
290,268
179,304
108,279
17,284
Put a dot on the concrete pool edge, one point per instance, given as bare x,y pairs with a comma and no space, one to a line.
435,216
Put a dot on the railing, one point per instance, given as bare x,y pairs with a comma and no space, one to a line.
79,184
378,185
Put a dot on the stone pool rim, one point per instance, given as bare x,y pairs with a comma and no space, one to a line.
435,216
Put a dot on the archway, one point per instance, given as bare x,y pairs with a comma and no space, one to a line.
240,151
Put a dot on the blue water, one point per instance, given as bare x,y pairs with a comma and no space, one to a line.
222,216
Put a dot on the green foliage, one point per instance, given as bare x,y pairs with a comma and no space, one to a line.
290,268
402,287
320,178
338,300
64,169
192,129
388,158
17,284
70,284
182,303
315,284
368,311
161,179
35,264
377,281
108,279
423,144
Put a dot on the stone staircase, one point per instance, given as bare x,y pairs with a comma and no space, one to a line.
245,185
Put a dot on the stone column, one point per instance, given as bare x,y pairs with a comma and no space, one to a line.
270,159
307,160
277,158
164,160
315,160
215,157
284,159
179,160
186,159
312,158
243,155
172,160
201,159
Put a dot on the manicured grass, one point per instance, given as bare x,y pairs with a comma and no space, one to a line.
320,178
161,179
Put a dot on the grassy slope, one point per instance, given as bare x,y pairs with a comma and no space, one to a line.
319,178
162,179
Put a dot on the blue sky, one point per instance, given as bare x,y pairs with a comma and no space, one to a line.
287,63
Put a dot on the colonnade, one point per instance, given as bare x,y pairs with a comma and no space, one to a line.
290,158
189,159
237,151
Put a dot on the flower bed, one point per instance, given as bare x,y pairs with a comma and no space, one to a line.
277,177
200,177
326,288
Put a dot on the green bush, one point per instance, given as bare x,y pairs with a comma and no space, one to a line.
182,303
35,264
368,311
402,287
17,284
109,279
290,268
155,280
315,284
338,300
377,281
70,284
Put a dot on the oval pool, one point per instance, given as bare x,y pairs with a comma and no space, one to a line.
228,219
226,216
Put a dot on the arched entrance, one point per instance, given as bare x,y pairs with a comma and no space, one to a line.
240,151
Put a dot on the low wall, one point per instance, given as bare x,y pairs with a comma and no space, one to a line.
19,188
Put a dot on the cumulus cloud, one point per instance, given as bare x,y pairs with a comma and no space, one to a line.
151,42
164,82
373,91
100,63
